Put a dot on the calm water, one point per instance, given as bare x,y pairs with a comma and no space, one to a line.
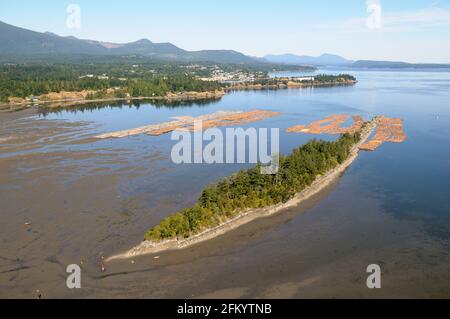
415,175
391,207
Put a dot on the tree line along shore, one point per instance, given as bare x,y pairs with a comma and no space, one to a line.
250,189
56,90
249,194
321,80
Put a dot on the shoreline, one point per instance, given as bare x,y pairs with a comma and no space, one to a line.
170,97
175,97
290,85
148,248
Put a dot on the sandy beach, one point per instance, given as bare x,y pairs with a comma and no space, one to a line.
80,100
149,247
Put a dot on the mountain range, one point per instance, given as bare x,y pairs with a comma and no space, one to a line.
16,43
22,42
331,60
323,60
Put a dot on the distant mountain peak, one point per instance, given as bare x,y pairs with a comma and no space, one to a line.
330,55
51,33
325,59
143,41
18,44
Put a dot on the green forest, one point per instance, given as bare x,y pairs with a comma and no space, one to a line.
133,77
325,78
318,79
34,80
250,189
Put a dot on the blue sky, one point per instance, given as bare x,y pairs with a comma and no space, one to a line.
409,30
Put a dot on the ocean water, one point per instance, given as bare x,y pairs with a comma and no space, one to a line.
391,207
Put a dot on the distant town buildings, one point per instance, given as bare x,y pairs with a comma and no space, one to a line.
219,75
303,79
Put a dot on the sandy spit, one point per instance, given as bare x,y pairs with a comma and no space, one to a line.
149,247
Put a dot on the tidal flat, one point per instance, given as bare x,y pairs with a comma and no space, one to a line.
68,198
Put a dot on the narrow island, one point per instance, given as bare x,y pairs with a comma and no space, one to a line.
277,83
249,195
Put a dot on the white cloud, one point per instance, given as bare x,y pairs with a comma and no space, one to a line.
404,21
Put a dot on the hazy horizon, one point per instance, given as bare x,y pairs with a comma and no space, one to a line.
417,31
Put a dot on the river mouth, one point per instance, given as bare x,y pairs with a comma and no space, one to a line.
67,198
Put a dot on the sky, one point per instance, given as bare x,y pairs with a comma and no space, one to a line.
394,30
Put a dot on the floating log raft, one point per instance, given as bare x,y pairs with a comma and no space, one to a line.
330,125
187,123
388,130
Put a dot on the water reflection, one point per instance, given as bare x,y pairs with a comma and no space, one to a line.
86,198
133,104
